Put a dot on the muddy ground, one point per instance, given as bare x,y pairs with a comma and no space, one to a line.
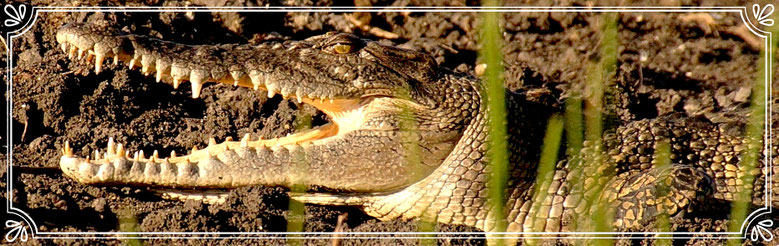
702,65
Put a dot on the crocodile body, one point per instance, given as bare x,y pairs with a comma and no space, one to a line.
408,139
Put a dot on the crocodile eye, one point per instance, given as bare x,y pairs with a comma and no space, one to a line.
342,48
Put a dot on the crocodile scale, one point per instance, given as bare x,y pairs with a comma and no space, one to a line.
408,139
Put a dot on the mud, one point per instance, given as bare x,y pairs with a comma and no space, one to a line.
666,63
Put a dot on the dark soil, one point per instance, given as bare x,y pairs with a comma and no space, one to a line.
666,63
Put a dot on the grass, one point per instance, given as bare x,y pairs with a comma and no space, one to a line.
584,120
128,222
410,125
296,215
598,74
662,160
753,141
494,102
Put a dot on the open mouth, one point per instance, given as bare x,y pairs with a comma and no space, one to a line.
345,115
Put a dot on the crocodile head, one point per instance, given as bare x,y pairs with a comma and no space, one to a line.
391,123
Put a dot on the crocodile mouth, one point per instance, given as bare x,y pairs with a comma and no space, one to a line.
345,115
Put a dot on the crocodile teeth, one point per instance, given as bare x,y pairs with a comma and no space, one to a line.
178,73
257,80
161,67
172,154
67,151
211,141
72,52
131,64
271,89
111,146
140,153
197,84
120,150
285,93
237,74
64,47
135,156
99,57
245,141
97,154
146,63
90,55
116,60
80,54
155,155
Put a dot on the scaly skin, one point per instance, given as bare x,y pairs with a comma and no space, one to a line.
408,139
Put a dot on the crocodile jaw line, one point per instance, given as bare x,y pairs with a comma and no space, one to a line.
346,115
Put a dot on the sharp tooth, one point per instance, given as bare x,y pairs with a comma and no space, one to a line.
105,156
97,154
194,149
64,47
229,139
155,155
116,60
196,78
245,140
146,63
211,141
299,96
111,146
126,153
131,64
178,72
67,151
196,89
120,150
257,79
140,153
161,67
271,88
172,154
285,93
135,156
72,52
80,54
99,57
236,74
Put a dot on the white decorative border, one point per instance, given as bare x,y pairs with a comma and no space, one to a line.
760,230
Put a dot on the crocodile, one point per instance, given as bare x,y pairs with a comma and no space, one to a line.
408,139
